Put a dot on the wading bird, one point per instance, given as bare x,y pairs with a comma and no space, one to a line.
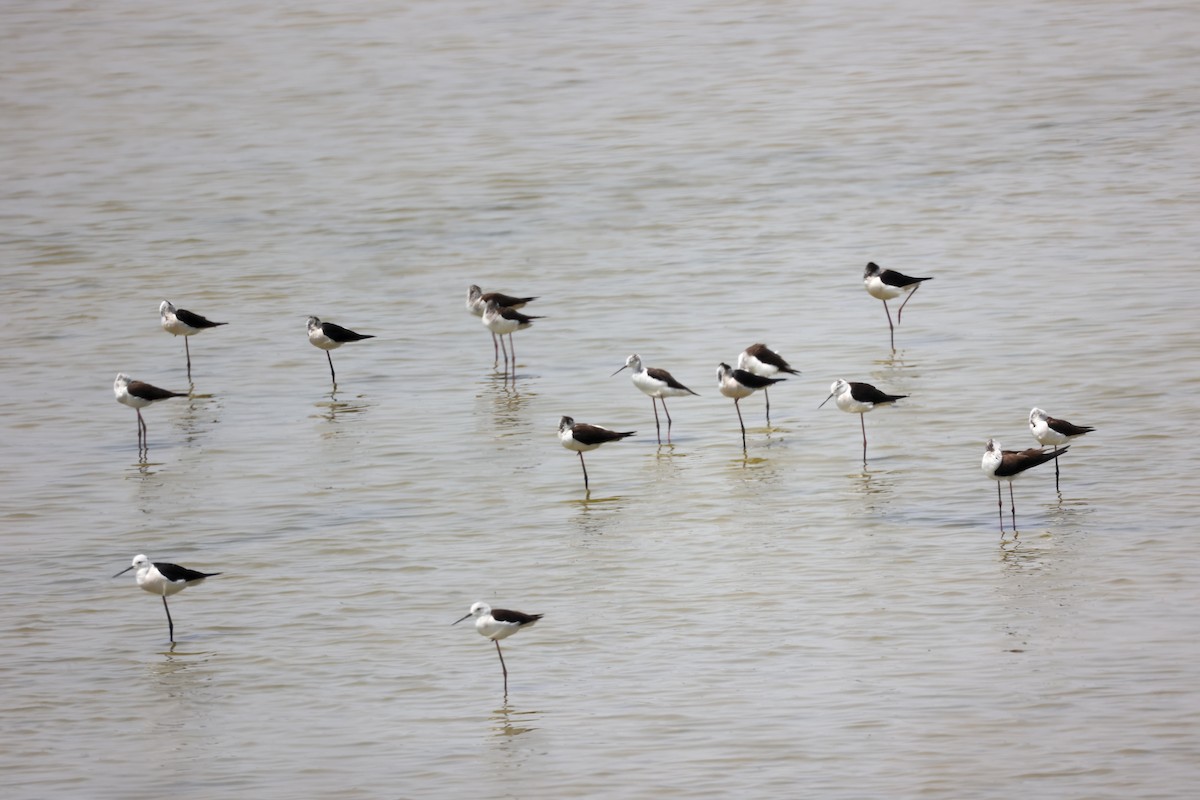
181,322
887,284
477,301
657,383
328,336
859,398
581,437
761,360
1007,465
739,383
497,624
164,579
1050,431
137,395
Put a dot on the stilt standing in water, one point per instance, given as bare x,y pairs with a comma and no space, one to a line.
477,301
328,336
137,395
1050,431
758,359
164,579
1007,465
887,284
581,437
859,398
501,320
497,624
738,383
657,383
181,322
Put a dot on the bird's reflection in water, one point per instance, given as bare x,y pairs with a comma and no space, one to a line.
505,404
335,410
144,467
874,488
508,722
181,683
597,515
199,415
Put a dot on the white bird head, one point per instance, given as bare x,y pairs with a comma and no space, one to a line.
477,610
313,322
122,382
565,424
836,388
1037,415
634,361
139,562
166,308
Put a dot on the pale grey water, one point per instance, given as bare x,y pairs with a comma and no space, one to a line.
678,180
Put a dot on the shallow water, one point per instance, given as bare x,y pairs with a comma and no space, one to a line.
677,182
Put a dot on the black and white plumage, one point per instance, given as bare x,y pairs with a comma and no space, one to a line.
1050,431
582,437
501,320
659,385
1007,465
761,360
328,336
181,322
855,397
164,579
137,395
740,383
497,624
477,301
887,284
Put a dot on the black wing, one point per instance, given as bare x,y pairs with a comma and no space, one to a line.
768,356
754,381
594,434
195,320
1014,462
507,299
504,615
866,393
340,334
516,316
893,278
148,392
174,572
667,378
1066,428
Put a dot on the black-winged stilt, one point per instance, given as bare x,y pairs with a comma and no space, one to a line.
1007,465
328,336
1050,431
477,301
502,320
497,624
887,284
657,383
739,383
761,360
581,437
854,397
137,395
181,322
164,579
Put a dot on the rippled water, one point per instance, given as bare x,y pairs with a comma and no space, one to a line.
674,180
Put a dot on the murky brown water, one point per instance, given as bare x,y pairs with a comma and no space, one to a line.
677,181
